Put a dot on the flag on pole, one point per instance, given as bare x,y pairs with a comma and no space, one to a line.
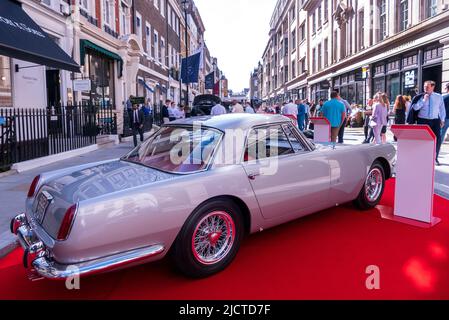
210,80
217,88
190,68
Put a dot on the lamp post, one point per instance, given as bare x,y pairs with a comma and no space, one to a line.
185,5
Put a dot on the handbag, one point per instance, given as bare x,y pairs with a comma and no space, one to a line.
372,123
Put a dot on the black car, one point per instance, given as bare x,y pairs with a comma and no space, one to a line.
203,104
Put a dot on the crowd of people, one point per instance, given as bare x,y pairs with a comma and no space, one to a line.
428,108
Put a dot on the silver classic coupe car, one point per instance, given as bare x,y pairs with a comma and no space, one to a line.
191,191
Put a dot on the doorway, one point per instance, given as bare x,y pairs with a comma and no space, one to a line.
53,87
434,73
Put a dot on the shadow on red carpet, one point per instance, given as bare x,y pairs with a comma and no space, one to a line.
322,256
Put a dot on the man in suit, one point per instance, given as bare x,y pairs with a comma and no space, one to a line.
137,122
432,112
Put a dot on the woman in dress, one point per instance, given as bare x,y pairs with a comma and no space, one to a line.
380,116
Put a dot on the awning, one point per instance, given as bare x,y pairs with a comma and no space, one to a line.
86,44
22,38
146,85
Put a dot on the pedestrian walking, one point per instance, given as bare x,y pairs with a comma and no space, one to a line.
334,111
446,121
137,122
341,133
290,110
432,112
368,131
399,111
237,107
249,109
380,116
301,115
165,113
218,110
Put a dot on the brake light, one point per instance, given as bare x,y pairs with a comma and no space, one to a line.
33,186
66,224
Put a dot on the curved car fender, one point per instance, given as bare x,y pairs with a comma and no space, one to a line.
149,214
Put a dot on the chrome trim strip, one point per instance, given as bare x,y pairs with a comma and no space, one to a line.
53,270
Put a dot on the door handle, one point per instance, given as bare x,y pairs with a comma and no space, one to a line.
252,176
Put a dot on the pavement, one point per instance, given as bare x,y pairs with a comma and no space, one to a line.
14,187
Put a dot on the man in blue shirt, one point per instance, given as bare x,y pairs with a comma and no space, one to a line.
301,114
334,111
432,112
446,122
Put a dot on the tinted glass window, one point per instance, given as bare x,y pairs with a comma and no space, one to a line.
267,142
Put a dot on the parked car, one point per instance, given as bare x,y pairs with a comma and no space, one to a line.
203,104
186,194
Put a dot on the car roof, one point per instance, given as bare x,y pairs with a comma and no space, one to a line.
232,121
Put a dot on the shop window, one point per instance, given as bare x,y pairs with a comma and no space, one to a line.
101,71
379,69
433,53
337,81
344,79
360,93
5,82
393,66
379,85
351,93
393,86
351,77
410,61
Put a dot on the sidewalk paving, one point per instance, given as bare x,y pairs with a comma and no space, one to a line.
13,188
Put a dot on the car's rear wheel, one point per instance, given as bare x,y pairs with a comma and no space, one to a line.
373,188
209,240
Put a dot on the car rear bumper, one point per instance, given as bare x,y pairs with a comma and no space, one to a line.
37,258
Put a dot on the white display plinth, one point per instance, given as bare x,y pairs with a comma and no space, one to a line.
321,129
415,172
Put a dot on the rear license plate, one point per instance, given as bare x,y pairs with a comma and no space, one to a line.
42,204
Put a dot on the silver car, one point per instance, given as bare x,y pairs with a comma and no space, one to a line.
192,191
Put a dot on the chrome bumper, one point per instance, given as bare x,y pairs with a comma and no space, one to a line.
38,259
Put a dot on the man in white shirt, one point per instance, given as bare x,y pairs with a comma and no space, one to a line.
290,110
218,110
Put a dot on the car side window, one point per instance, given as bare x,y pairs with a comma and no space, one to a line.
267,142
296,144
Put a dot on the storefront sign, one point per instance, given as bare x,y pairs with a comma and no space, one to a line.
82,85
409,79
138,100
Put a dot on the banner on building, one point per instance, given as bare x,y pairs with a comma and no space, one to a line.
217,88
190,68
210,80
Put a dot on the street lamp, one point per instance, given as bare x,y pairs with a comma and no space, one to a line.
185,6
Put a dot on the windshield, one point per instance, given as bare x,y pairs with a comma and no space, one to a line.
177,149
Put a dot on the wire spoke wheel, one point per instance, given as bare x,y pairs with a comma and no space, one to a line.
373,185
213,237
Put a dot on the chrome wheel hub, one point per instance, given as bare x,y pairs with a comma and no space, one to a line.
373,185
213,237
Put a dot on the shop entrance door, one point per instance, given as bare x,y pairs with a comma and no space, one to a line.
433,73
53,88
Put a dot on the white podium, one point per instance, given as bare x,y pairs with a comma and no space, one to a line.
321,129
415,173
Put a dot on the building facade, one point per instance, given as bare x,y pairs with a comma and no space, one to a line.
124,48
357,46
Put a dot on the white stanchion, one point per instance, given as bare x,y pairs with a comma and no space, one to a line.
321,130
415,173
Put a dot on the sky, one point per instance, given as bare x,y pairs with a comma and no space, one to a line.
236,34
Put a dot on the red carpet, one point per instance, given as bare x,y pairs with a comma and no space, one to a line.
323,256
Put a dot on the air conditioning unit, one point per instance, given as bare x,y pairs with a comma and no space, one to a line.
64,8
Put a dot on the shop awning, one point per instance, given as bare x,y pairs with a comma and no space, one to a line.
22,38
146,85
86,44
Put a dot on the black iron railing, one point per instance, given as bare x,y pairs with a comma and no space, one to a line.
27,134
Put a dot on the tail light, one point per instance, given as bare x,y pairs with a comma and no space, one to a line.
33,186
67,222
